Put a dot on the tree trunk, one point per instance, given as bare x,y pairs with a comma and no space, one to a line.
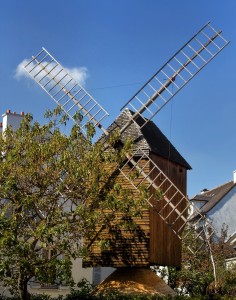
23,288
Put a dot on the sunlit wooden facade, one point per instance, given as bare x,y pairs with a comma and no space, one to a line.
152,241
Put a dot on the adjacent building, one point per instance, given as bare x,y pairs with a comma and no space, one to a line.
219,205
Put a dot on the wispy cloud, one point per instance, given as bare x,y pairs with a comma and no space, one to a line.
80,74
20,71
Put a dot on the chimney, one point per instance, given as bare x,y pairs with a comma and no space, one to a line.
203,191
234,176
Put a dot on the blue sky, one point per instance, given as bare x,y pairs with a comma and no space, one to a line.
119,45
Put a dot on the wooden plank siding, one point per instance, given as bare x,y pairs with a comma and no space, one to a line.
165,246
152,241
127,246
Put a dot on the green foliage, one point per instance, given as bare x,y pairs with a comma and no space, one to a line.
196,277
82,291
77,295
227,281
55,190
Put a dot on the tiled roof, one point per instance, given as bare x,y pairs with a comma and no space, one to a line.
201,197
148,137
214,196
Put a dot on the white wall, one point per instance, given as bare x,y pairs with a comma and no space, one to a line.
93,275
196,204
224,212
11,119
79,273
101,273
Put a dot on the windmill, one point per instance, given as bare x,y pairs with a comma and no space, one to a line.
172,210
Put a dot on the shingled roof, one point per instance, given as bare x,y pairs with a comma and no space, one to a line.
214,196
149,137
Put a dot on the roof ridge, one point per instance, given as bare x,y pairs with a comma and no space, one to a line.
145,133
219,186
216,198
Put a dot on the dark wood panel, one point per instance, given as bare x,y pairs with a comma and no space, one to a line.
165,246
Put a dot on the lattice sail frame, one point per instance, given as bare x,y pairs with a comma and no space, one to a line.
64,90
190,215
176,73
146,103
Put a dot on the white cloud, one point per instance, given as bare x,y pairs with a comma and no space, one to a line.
20,71
80,74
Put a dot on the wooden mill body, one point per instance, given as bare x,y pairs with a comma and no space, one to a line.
152,242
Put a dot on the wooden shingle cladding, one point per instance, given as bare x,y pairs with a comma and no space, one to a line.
152,241
126,245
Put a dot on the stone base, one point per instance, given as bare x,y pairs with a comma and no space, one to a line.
134,281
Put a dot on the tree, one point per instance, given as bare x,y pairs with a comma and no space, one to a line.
197,276
50,184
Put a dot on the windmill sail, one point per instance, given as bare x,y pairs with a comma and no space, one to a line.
175,208
176,73
152,97
75,101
